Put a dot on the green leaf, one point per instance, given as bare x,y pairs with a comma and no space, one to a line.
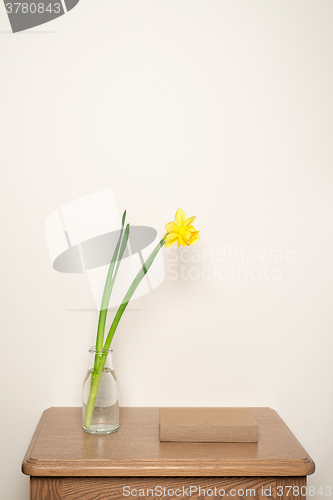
144,269
108,289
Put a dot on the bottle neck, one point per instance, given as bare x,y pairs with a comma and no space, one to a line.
100,359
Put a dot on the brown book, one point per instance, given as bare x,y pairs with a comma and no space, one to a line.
208,425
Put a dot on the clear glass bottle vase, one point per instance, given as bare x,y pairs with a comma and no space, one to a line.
100,407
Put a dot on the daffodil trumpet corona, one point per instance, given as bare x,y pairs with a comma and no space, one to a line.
180,231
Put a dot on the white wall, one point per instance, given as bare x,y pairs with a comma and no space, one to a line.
223,108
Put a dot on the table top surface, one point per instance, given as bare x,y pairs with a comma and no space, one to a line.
61,448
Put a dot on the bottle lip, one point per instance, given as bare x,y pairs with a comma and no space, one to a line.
100,351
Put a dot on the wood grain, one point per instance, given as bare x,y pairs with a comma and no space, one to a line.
61,448
45,488
112,488
238,488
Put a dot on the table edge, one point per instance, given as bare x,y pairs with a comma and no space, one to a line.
300,468
171,468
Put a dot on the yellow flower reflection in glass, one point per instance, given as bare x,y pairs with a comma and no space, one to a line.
181,231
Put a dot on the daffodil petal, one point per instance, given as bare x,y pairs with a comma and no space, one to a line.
170,227
170,240
180,217
195,237
189,221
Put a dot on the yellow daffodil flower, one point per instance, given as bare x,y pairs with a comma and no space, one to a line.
181,231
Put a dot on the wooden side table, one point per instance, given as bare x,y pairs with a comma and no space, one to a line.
66,463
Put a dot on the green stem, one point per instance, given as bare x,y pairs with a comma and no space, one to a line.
96,374
131,290
107,291
94,384
99,361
